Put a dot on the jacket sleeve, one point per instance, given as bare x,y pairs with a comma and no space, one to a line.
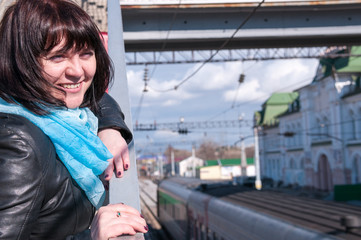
111,116
21,181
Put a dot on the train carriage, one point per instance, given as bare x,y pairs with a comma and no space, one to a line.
188,213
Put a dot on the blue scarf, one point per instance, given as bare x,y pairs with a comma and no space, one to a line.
74,135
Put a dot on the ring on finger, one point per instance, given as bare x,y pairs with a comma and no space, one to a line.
119,214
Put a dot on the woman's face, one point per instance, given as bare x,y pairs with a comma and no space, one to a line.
70,71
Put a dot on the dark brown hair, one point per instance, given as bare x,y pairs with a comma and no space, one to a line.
32,28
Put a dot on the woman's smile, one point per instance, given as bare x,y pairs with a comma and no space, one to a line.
70,86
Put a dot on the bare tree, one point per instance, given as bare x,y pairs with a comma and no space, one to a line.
179,154
207,150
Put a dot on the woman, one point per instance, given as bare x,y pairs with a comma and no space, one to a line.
53,71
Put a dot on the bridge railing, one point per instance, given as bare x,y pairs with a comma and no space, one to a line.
125,189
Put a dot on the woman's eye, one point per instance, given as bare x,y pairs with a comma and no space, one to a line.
87,54
57,57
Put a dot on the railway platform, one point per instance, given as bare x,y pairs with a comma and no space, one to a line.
148,201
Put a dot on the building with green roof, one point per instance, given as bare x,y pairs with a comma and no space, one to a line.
312,137
275,105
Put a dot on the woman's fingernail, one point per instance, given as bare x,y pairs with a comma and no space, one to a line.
119,173
126,166
141,216
106,176
146,228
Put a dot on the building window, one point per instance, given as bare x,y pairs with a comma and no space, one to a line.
292,138
269,168
288,141
356,170
274,169
302,163
292,164
279,170
358,124
316,135
324,128
299,134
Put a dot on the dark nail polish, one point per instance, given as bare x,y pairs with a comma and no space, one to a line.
126,166
146,228
141,216
119,173
106,175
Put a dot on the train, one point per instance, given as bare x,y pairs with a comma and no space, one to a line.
187,213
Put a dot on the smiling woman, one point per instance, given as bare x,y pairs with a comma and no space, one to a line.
58,32
54,71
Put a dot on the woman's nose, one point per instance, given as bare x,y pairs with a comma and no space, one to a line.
74,68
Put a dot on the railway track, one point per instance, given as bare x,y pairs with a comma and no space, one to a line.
148,202
309,213
320,215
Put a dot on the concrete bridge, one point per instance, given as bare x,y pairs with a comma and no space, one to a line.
184,31
173,25
178,25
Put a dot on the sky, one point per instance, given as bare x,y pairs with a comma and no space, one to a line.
213,94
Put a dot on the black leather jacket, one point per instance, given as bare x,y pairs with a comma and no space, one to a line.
38,197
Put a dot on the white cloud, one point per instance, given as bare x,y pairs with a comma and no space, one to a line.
269,77
248,91
285,75
135,83
213,76
158,93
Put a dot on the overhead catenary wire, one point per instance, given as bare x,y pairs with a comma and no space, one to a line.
164,44
236,95
240,81
279,90
257,99
165,41
140,104
310,130
216,52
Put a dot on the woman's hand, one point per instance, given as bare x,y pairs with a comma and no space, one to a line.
116,144
117,219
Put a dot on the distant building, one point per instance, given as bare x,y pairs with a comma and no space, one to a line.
188,166
225,169
312,137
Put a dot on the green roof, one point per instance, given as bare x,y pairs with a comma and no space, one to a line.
340,64
353,63
282,98
276,105
229,162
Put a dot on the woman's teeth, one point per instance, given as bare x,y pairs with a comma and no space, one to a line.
70,86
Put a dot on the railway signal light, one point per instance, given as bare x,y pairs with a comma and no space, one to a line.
183,131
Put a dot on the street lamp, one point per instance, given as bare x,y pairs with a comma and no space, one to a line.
258,183
243,156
